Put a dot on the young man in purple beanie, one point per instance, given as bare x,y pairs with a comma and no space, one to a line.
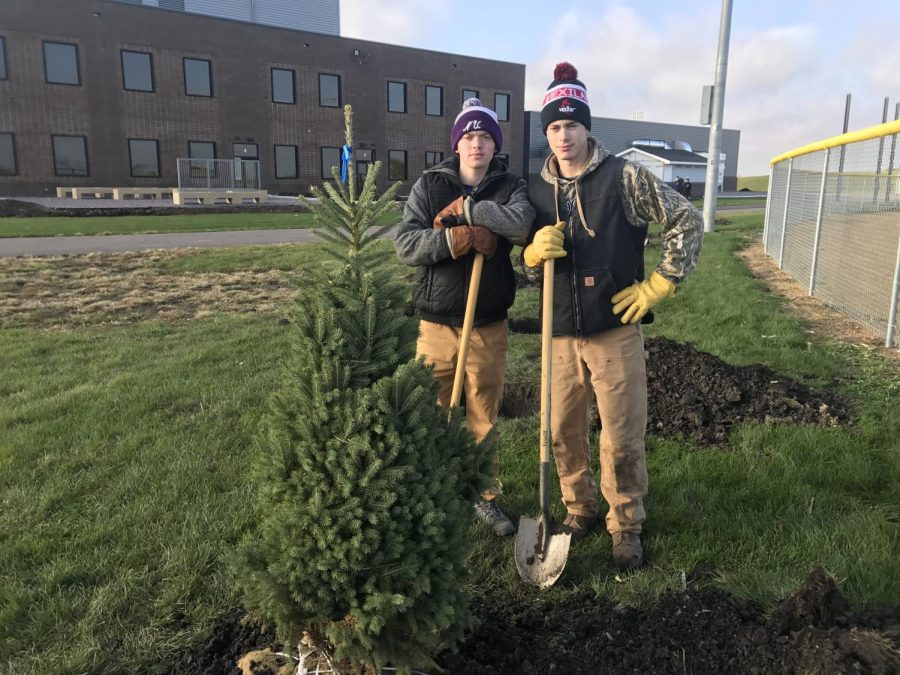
435,237
592,215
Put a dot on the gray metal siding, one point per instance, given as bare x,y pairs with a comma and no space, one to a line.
617,135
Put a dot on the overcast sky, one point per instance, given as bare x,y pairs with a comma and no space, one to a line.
791,62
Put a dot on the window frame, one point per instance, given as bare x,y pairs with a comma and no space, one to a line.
15,161
293,73
212,143
466,98
87,163
405,106
209,72
152,89
296,175
440,91
74,45
4,75
428,164
508,101
322,149
131,158
339,93
405,165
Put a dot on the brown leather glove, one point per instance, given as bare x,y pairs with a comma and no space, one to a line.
454,209
484,241
460,239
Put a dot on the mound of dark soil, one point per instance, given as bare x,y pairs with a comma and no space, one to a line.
697,395
14,208
700,630
228,640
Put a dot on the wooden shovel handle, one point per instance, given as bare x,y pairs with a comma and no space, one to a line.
466,335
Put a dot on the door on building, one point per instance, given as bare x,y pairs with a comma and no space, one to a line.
246,176
364,159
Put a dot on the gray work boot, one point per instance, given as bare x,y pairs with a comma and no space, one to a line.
489,512
579,526
627,552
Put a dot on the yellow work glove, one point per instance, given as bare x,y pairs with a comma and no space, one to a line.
640,298
547,244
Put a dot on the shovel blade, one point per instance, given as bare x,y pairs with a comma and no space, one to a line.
540,565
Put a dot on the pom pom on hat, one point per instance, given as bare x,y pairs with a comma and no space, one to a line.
566,98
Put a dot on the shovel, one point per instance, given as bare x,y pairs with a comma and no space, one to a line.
541,554
468,320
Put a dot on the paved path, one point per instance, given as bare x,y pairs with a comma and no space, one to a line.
38,246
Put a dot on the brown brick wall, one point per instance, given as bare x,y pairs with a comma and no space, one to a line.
241,107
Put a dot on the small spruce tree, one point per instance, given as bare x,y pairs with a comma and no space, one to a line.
363,487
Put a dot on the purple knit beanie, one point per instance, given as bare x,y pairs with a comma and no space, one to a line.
475,117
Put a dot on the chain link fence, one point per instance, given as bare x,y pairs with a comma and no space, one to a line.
833,223
217,174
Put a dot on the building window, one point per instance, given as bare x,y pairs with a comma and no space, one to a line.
283,90
198,77
7,155
245,150
330,157
432,158
70,156
144,156
3,74
469,93
396,92
137,71
285,161
201,150
501,107
329,91
434,100
397,165
61,63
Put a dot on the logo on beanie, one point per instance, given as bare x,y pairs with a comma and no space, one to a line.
566,106
472,126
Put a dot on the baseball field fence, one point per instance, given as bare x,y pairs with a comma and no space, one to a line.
833,223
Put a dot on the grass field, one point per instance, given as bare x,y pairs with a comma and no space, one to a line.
202,222
124,452
755,183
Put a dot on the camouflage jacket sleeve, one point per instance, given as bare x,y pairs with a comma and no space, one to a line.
648,200
416,241
511,220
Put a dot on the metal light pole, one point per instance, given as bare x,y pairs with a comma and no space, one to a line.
710,193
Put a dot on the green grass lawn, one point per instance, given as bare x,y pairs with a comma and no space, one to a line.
755,183
749,202
124,453
201,222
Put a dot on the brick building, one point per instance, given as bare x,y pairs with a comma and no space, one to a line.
108,93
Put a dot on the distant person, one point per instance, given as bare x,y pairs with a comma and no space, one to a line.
592,214
436,239
687,188
679,185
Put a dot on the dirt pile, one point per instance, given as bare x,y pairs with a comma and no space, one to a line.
697,630
697,395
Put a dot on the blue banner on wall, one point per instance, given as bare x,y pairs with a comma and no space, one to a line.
346,156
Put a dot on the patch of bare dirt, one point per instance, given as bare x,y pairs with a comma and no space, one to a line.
698,630
116,288
821,319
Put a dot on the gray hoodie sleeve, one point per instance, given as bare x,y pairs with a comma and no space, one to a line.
511,220
417,242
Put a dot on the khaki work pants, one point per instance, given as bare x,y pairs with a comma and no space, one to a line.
611,363
485,373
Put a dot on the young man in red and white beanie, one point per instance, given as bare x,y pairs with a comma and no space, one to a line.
592,215
467,204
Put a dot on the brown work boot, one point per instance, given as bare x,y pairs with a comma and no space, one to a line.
627,552
579,526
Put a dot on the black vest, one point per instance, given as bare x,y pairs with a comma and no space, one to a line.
440,290
595,268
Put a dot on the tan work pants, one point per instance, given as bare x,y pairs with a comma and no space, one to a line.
612,364
485,373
